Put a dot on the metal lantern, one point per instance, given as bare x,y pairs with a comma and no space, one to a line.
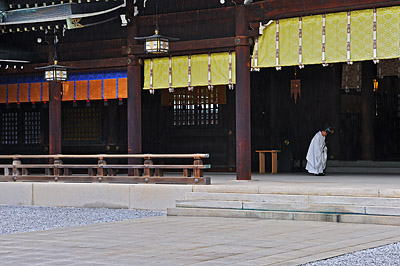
156,44
54,72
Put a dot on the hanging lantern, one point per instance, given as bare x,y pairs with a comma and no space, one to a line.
54,72
156,44
376,84
295,89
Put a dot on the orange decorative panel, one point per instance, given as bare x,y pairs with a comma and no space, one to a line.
3,93
24,92
68,91
81,90
95,90
12,93
122,88
110,88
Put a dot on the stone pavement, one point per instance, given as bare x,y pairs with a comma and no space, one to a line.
193,241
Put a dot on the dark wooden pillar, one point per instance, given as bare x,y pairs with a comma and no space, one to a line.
243,124
367,111
134,99
54,117
54,110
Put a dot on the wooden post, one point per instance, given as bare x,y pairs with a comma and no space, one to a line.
134,102
197,172
243,125
57,170
147,171
54,111
100,170
15,170
54,117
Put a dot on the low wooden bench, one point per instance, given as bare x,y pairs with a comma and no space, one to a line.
148,172
261,158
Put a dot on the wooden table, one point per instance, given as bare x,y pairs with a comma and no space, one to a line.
274,155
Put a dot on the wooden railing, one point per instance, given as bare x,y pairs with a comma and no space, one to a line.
147,172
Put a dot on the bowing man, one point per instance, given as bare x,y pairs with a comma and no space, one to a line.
318,152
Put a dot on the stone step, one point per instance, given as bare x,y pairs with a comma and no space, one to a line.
292,207
363,163
362,170
280,215
334,166
301,199
301,189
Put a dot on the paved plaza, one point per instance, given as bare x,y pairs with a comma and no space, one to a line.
192,241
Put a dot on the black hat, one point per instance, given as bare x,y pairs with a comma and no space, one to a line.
328,129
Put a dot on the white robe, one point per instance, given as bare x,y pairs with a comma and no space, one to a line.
317,154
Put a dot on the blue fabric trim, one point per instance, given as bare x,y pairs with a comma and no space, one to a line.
74,89
21,79
117,89
115,74
102,89
88,90
18,92
98,75
29,93
41,91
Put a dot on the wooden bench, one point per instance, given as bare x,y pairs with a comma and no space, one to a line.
148,172
261,158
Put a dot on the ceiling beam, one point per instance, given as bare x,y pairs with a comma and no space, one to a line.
84,65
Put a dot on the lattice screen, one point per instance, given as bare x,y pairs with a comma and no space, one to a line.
9,128
81,124
32,127
196,108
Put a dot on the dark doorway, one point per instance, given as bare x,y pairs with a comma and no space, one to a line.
387,120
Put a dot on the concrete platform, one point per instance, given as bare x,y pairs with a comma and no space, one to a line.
193,241
182,240
162,196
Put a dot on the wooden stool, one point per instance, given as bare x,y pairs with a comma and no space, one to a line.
274,155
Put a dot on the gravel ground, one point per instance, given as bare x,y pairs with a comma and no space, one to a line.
388,255
19,219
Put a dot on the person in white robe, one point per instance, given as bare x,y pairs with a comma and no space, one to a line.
318,152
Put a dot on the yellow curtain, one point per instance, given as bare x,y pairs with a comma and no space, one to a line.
361,38
289,46
388,21
312,40
180,74
336,37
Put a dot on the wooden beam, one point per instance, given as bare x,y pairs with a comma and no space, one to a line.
86,65
198,46
186,17
265,10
